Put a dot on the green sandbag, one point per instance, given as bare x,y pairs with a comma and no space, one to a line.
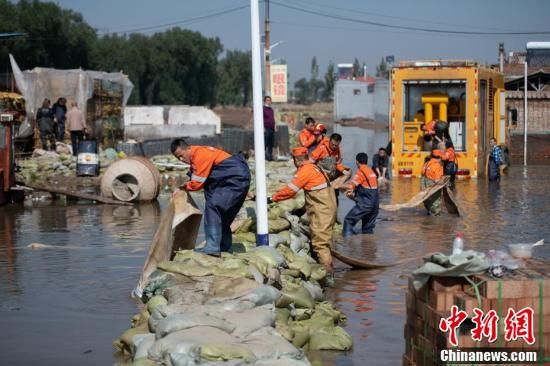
256,260
189,267
287,253
282,315
232,267
285,331
141,318
144,361
156,301
226,352
330,338
204,260
290,273
278,225
326,309
301,265
249,237
125,341
276,212
318,272
246,226
303,314
301,337
297,295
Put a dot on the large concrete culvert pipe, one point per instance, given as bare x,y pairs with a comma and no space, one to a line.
131,179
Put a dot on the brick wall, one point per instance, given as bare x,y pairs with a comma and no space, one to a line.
538,149
538,104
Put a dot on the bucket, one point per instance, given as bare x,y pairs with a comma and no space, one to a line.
131,179
87,163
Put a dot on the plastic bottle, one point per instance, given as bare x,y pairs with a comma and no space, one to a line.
458,244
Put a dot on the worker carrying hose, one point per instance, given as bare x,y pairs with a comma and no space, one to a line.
306,138
363,189
225,179
320,203
432,172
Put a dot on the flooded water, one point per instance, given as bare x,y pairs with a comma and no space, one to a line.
65,305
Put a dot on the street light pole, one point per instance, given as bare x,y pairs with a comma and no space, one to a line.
267,51
262,237
525,114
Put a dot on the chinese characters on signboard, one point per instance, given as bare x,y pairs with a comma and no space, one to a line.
516,325
278,84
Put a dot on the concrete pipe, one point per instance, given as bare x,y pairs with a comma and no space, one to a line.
131,179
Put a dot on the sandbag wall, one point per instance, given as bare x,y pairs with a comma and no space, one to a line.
259,306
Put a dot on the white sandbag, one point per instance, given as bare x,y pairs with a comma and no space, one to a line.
178,322
188,337
142,343
251,320
259,296
267,343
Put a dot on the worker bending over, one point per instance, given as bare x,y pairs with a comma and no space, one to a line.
320,203
432,172
306,138
363,189
225,179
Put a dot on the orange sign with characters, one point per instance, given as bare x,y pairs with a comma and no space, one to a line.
279,84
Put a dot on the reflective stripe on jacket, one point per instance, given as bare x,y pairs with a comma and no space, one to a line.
364,177
203,158
308,177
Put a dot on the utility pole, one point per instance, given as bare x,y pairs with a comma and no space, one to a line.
267,51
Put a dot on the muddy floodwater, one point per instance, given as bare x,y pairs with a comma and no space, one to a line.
65,305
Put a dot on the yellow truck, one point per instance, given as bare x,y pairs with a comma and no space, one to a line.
468,96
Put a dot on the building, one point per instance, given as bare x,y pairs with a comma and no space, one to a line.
361,98
537,55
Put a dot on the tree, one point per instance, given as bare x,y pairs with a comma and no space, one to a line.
234,79
356,68
55,37
314,68
382,69
329,82
302,91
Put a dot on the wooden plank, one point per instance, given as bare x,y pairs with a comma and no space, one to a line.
82,195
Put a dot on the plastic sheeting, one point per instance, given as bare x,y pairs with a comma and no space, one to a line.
74,85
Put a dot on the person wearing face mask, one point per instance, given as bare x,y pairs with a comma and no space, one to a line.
225,179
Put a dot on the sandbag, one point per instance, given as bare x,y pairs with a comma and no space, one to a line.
278,225
267,343
142,343
226,352
295,294
314,290
249,321
155,301
330,338
270,255
231,288
176,322
187,267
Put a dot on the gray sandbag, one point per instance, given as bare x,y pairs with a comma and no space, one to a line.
176,322
183,294
142,343
261,295
314,290
282,361
188,337
267,343
251,320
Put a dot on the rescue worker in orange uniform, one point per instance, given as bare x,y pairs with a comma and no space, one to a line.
432,172
226,180
306,138
328,156
450,164
320,203
363,189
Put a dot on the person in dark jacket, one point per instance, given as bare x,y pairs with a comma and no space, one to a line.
59,110
225,179
363,189
380,163
495,160
269,128
46,125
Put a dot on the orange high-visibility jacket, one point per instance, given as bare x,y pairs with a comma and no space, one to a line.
450,155
308,176
306,138
433,170
203,159
365,177
323,151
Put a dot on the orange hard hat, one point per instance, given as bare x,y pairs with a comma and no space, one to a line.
299,151
319,129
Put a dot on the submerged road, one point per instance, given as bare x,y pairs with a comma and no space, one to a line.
65,305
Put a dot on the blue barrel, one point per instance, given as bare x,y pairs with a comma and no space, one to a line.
87,163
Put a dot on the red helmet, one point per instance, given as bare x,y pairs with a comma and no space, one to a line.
319,129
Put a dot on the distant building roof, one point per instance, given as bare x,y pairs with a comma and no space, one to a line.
12,35
535,81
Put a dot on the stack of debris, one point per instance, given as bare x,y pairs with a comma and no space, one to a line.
430,306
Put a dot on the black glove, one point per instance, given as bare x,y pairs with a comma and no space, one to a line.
269,200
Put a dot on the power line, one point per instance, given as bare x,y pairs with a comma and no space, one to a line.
181,22
359,11
385,25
